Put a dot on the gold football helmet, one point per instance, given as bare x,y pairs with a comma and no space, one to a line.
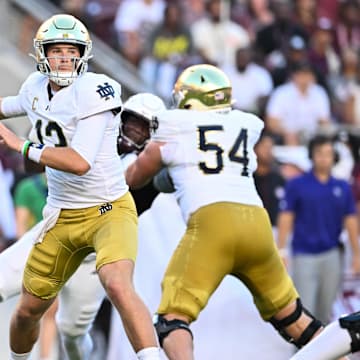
62,29
202,87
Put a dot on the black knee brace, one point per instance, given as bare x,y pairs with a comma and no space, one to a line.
307,334
352,324
165,327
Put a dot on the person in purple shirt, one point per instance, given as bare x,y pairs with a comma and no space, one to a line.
315,209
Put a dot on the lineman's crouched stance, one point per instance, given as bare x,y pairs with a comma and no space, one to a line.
77,309
352,323
210,159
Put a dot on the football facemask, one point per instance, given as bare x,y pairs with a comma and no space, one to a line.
62,29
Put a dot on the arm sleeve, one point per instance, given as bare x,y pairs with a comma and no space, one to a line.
89,135
11,106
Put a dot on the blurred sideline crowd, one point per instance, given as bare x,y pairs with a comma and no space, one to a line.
295,63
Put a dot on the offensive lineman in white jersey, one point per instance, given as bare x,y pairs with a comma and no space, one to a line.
207,149
89,208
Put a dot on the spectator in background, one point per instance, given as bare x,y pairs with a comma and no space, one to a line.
321,53
328,9
251,15
99,15
216,38
133,21
260,9
168,50
268,180
354,145
315,209
272,40
305,13
29,198
252,83
294,53
73,7
194,10
356,187
297,109
347,30
345,88
346,161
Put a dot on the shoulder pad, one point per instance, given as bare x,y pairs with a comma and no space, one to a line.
252,120
170,123
33,79
97,93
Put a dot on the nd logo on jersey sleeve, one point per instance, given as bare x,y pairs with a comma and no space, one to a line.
97,93
106,91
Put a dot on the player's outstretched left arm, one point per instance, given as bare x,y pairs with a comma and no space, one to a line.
11,107
146,166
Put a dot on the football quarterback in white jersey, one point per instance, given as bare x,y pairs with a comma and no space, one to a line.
74,114
78,309
207,149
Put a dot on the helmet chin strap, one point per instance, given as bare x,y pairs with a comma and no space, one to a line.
63,78
127,141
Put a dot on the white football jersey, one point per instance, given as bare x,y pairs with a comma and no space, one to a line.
55,122
210,156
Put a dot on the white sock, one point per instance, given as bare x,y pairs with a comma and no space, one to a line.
14,356
150,353
332,343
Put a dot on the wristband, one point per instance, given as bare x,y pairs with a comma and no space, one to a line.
25,148
34,152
